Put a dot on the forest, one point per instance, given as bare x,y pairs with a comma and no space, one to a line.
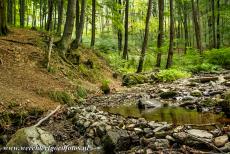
114,76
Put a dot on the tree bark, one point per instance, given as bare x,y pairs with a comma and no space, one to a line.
22,13
3,27
125,51
185,11
170,52
10,12
197,27
80,27
145,42
60,16
50,15
93,23
160,31
119,32
218,25
213,24
69,25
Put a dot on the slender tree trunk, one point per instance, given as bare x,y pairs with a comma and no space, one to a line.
93,23
186,43
15,12
160,31
50,15
3,27
80,27
60,16
218,25
34,14
10,12
145,42
119,32
170,52
40,12
22,13
69,25
77,17
125,51
197,27
213,24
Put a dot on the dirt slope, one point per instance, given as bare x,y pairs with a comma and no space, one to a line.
23,72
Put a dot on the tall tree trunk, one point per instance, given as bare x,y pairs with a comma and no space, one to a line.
69,25
185,11
15,12
60,16
93,23
170,52
213,24
160,31
3,27
50,15
34,14
218,25
145,42
197,27
125,51
80,26
22,13
119,32
40,12
10,12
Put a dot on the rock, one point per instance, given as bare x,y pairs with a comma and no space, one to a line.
31,137
167,95
221,140
118,140
182,136
188,98
147,130
178,129
161,134
149,151
145,104
196,93
164,127
200,134
226,147
138,130
170,138
146,141
133,79
204,79
97,141
130,127
154,125
160,144
87,124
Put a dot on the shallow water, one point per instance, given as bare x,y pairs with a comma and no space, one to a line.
174,115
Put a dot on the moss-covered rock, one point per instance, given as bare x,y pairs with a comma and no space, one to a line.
31,137
196,93
168,94
105,87
133,79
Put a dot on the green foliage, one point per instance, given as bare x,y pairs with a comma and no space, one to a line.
204,67
172,75
61,96
133,79
105,87
219,57
52,70
81,92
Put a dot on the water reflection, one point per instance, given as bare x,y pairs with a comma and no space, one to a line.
175,115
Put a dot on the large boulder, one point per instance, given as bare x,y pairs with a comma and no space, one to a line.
221,140
133,79
118,140
145,104
31,137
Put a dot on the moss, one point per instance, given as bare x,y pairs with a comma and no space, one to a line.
105,87
167,95
196,93
61,96
208,102
133,79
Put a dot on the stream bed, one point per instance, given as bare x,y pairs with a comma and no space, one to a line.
174,115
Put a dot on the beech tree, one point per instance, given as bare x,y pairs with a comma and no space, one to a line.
3,27
145,42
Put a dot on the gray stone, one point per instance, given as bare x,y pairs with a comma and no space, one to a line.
160,144
200,133
31,137
119,140
221,140
226,147
196,93
154,125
